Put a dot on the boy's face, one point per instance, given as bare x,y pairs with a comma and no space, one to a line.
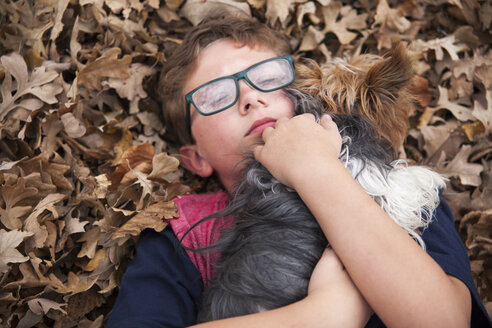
222,138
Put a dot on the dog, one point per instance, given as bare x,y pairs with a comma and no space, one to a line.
273,242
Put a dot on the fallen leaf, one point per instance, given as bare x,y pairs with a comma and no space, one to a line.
73,127
75,284
31,224
196,10
449,43
43,305
132,86
460,87
174,4
307,8
151,217
484,115
80,304
389,17
468,173
311,39
13,197
462,113
435,136
58,24
9,240
162,165
132,157
278,10
35,84
90,239
342,27
94,262
108,65
473,129
484,74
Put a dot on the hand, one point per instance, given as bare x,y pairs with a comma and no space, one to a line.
298,146
332,289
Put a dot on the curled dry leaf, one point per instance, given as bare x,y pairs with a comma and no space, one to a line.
342,27
391,18
468,173
196,10
35,84
132,86
108,65
43,305
73,127
449,43
162,165
462,113
152,217
279,10
9,240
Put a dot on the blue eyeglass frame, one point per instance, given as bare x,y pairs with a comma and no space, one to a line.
236,77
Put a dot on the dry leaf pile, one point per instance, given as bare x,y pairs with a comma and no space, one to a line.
84,168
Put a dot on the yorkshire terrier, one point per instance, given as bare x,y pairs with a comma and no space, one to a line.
273,243
377,88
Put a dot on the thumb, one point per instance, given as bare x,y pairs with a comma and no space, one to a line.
325,120
257,152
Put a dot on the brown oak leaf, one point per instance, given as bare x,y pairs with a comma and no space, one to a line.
341,27
468,173
107,65
9,240
152,217
13,197
37,84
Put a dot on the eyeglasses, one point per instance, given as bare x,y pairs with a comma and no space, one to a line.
219,94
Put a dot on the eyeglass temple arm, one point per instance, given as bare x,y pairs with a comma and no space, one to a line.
188,118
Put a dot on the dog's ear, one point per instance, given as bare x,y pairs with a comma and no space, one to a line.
386,79
384,94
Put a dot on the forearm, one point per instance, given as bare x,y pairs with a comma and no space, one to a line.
397,278
321,310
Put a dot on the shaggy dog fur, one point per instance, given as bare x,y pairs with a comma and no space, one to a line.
376,88
272,245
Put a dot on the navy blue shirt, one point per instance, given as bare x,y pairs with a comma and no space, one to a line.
162,287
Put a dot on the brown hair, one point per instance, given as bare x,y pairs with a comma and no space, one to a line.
180,64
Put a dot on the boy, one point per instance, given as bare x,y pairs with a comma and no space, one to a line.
217,121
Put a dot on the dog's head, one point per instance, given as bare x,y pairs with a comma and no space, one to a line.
375,87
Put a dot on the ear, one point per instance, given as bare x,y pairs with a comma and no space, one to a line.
195,162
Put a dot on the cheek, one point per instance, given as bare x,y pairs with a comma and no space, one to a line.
211,131
286,104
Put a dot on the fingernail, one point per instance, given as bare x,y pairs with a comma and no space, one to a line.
326,116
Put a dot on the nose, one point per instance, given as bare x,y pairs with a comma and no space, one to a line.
250,98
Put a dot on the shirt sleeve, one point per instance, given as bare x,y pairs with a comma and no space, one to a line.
161,286
444,245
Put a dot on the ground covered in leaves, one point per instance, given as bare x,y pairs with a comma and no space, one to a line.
83,165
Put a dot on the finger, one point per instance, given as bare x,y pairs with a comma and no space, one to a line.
326,121
280,121
267,132
257,152
309,115
330,256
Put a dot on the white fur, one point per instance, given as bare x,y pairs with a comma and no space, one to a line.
409,194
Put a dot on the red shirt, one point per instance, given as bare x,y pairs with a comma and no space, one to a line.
191,209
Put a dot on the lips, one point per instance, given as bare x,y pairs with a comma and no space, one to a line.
258,126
